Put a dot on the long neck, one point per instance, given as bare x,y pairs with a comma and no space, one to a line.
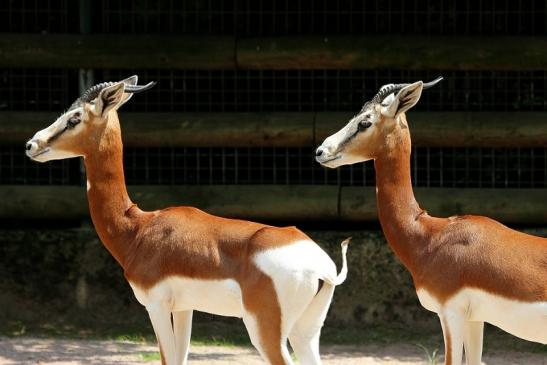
111,209
398,209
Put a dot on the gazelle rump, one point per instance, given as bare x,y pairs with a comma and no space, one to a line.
467,269
182,259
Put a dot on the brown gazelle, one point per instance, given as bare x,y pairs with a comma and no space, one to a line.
181,259
467,269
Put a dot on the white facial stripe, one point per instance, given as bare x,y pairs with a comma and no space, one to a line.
70,114
344,135
57,126
352,128
74,113
45,149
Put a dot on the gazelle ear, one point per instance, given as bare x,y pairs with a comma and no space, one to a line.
109,98
405,99
129,81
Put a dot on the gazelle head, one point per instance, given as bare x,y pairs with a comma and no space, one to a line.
367,134
78,130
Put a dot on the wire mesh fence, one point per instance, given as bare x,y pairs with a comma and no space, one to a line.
285,17
430,167
281,90
37,89
281,17
17,169
39,16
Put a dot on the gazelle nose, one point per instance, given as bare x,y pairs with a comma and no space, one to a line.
31,146
318,152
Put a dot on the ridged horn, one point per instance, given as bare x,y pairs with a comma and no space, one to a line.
94,91
139,88
386,90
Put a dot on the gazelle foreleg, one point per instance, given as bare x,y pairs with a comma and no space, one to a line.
452,324
472,340
182,326
161,321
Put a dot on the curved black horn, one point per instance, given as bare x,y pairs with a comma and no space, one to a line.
394,88
94,91
429,84
139,88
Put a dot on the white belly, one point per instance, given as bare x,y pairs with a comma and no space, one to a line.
222,297
527,320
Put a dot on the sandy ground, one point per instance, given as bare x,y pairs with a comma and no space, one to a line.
71,352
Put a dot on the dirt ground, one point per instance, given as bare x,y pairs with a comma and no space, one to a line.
30,351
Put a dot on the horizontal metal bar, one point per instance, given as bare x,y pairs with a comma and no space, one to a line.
116,51
280,202
268,202
512,206
432,129
296,52
394,52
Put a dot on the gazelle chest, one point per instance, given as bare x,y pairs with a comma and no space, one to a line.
221,297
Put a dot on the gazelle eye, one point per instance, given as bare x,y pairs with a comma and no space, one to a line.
363,125
72,122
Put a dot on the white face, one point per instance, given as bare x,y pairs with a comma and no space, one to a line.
72,132
334,151
42,147
365,136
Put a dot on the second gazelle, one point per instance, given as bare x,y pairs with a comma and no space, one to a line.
467,269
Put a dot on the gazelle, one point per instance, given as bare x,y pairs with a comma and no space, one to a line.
467,269
181,259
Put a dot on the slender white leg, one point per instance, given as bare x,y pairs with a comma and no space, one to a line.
453,325
304,336
161,321
472,341
182,326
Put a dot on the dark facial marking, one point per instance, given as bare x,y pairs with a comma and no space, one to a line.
363,125
70,124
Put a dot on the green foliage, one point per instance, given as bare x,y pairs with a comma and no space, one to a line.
431,356
150,356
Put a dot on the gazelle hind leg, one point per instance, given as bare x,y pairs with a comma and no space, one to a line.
182,326
472,342
304,335
452,324
267,339
161,322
